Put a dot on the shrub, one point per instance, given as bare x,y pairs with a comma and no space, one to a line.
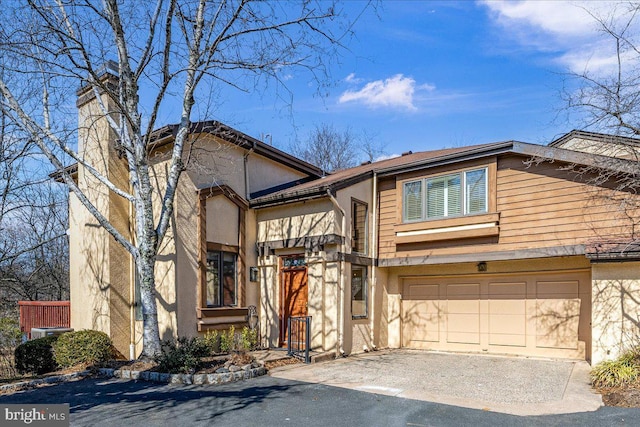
227,340
36,356
10,338
182,356
211,340
249,339
87,346
612,373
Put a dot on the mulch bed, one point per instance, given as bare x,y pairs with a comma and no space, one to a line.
625,396
281,362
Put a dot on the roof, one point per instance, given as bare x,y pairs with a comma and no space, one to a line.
607,251
428,159
165,135
594,136
71,170
347,177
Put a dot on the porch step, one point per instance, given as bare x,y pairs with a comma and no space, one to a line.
322,357
281,353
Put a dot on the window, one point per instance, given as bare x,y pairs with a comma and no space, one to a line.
358,227
221,279
358,292
463,193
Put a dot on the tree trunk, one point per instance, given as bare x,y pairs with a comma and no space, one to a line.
147,245
145,266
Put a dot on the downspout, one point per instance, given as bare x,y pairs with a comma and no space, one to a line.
374,253
340,311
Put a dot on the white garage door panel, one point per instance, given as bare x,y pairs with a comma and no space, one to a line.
423,292
463,313
525,313
421,321
557,314
507,314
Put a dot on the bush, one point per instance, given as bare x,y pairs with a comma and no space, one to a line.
211,340
10,338
87,346
36,356
249,339
613,373
182,356
228,340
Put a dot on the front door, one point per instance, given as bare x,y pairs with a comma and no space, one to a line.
294,293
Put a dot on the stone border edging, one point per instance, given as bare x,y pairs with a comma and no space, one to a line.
198,379
24,385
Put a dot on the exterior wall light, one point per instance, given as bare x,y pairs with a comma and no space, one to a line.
253,274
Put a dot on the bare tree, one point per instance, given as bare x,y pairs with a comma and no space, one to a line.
607,99
168,55
33,223
332,150
610,100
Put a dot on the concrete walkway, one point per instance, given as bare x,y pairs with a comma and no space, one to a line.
511,385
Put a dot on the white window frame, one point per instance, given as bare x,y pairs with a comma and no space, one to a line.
463,193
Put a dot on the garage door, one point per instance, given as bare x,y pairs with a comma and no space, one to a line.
535,314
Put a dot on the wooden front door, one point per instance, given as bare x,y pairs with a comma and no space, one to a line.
294,297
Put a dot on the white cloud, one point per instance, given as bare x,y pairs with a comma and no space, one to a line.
566,29
556,17
351,78
394,92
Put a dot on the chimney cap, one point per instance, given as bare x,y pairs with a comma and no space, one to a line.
109,67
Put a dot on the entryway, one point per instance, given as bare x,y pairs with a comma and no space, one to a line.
294,293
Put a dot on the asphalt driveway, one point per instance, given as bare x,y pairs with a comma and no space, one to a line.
269,401
512,385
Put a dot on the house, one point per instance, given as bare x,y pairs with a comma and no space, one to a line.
504,248
203,267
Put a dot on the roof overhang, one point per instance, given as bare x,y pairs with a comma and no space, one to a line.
71,170
308,193
613,251
165,135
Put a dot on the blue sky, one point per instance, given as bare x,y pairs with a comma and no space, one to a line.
426,75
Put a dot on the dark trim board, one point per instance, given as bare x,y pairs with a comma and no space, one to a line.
311,243
351,258
557,251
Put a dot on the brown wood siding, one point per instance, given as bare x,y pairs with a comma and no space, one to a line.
388,213
539,206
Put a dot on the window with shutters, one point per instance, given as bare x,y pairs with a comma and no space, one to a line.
462,193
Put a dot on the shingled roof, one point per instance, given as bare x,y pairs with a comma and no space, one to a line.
428,159
347,177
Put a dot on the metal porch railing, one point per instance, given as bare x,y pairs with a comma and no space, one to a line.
299,338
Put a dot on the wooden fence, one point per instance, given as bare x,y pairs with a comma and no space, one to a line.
44,314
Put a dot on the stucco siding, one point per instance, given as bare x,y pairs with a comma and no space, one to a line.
616,309
316,218
88,272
